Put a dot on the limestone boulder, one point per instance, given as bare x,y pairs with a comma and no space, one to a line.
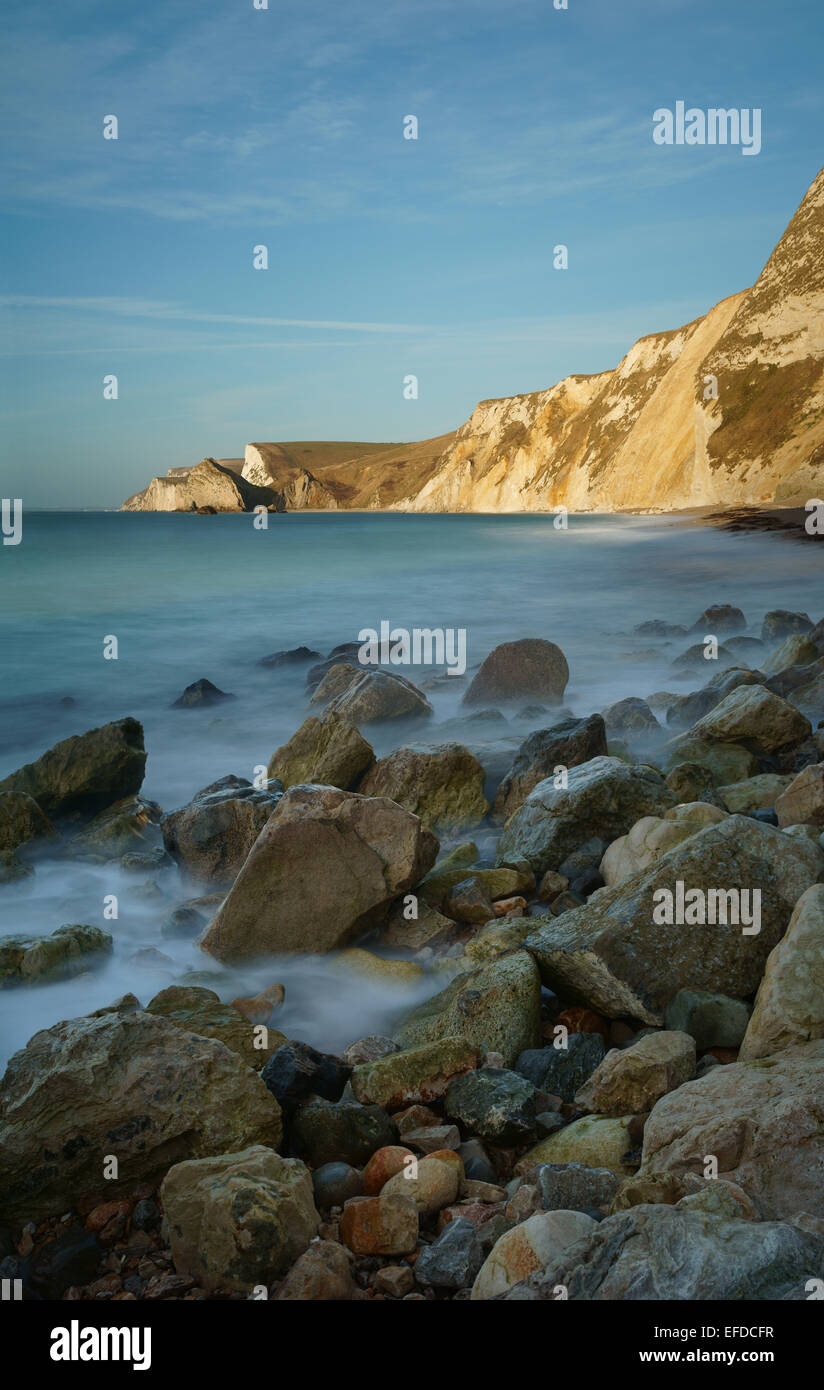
528,1248
378,696
212,836
124,1083
603,799
625,954
496,1008
789,1006
653,836
632,1080
443,785
84,774
21,820
755,717
326,866
69,951
238,1220
762,1119
531,668
802,802
567,744
328,751
680,1254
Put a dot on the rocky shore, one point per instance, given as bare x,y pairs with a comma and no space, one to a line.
610,1084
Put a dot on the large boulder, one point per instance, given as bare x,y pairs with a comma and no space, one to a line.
725,762
120,1083
802,802
781,623
603,798
565,745
531,668
329,751
528,1248
755,793
496,1008
85,773
326,866
443,785
630,1081
212,836
682,1254
598,1141
762,1120
614,956
71,950
653,836
377,696
755,717
496,1104
240,1219
789,1006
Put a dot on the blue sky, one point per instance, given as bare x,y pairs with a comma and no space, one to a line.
284,127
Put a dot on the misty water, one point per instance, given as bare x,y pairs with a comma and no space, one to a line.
208,596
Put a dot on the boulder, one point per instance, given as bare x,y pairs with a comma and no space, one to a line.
336,678
711,1019
432,1182
326,866
631,716
762,1119
428,927
201,694
382,1225
239,1219
296,1070
344,1132
531,668
613,956
453,1259
321,1274
126,1084
789,1006
683,1255
329,751
597,1141
753,716
685,710
297,656
528,1248
630,1081
568,744
562,1071
212,836
797,650
69,951
496,1104
725,762
780,623
720,617
802,802
603,798
469,901
21,820
504,882
755,793
576,1187
198,1010
378,696
84,774
397,974
495,1008
415,1075
653,836
442,785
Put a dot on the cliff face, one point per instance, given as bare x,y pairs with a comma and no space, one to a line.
726,411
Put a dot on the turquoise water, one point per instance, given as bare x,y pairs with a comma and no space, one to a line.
191,596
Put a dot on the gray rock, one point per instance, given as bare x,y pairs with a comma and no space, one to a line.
213,834
562,1071
453,1260
498,1105
576,1187
713,1020
566,744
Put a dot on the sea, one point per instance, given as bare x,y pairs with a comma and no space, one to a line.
190,597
